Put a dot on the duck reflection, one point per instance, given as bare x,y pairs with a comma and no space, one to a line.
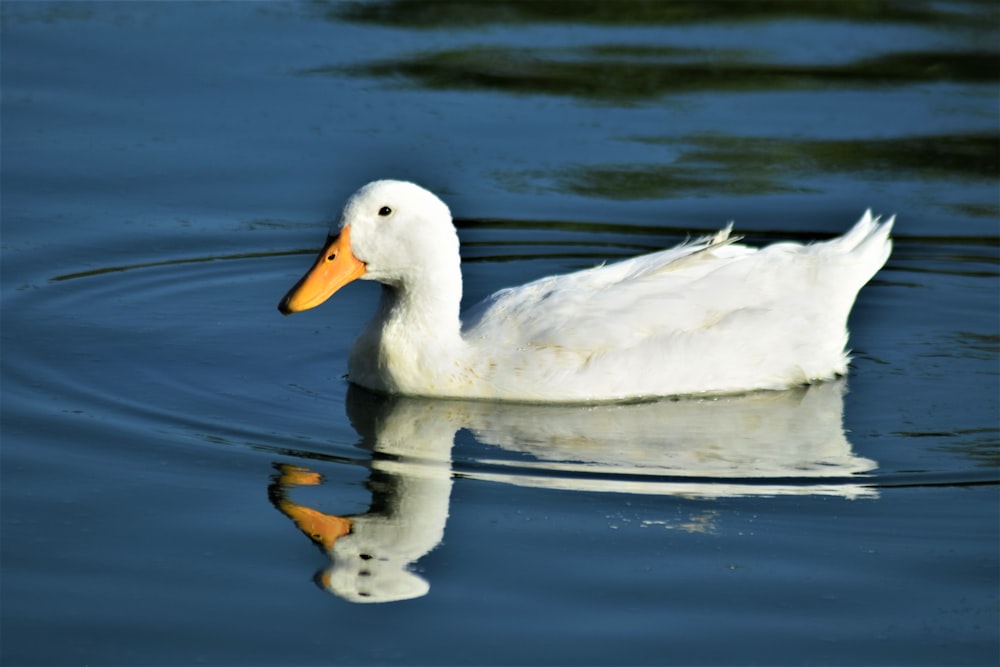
765,444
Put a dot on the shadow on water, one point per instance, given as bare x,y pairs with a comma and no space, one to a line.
457,13
710,165
763,444
624,74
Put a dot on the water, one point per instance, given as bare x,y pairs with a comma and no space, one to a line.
171,445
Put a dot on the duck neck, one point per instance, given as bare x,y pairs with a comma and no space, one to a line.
412,343
429,308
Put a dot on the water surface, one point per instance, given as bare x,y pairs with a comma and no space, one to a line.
188,479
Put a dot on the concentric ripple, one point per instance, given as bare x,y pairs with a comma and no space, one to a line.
195,347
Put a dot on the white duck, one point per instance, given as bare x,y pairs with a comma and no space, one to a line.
709,316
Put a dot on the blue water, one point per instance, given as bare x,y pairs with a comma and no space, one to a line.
169,168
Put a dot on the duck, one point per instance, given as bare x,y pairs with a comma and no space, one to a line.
711,316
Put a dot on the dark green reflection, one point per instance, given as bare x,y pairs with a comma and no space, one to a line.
934,156
724,164
653,181
450,13
624,73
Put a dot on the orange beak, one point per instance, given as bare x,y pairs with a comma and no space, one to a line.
323,529
335,267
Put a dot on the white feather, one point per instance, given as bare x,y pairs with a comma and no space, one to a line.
708,316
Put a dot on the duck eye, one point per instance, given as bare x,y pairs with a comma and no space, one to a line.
385,211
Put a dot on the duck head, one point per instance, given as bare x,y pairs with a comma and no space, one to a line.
390,231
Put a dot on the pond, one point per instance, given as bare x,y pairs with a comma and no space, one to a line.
187,477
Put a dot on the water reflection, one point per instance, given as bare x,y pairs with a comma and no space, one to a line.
627,73
720,163
371,553
450,13
765,444
630,70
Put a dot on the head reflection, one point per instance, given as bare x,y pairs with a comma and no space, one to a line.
765,444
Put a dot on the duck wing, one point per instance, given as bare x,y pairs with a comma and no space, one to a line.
610,304
708,315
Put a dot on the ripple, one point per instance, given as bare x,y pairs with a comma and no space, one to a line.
171,262
193,345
